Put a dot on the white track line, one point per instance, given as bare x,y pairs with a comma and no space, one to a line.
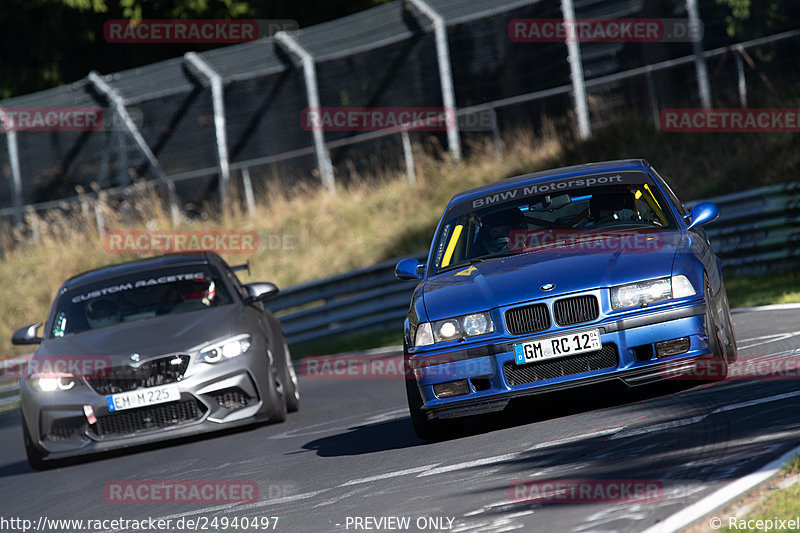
774,307
717,499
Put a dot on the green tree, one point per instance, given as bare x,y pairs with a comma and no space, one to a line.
46,43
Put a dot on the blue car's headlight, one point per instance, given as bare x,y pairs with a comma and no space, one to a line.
453,328
226,349
652,291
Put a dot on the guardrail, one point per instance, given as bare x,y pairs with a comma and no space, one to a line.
758,231
364,299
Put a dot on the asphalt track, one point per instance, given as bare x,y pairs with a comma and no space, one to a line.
351,453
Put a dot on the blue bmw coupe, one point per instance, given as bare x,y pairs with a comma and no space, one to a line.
559,279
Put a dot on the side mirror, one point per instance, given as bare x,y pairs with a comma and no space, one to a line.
27,335
260,291
409,269
703,213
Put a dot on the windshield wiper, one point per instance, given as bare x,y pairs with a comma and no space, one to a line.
476,260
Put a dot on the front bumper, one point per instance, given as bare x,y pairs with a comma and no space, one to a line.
491,372
212,397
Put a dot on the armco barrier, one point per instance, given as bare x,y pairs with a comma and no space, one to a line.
758,231
361,300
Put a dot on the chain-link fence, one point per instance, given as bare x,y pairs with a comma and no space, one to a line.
162,125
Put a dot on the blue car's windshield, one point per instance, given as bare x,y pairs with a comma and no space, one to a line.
138,296
486,227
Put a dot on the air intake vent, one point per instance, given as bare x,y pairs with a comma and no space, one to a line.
528,319
576,310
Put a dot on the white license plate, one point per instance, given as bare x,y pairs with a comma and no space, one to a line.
142,397
552,347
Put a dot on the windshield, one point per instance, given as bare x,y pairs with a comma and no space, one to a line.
140,296
551,214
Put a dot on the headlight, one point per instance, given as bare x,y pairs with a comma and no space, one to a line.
453,328
51,382
424,336
648,292
226,349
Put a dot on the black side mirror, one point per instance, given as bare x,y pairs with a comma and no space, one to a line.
27,335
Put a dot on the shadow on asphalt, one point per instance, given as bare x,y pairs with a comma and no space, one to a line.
399,433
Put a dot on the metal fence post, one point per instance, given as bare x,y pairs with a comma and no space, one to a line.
16,178
445,76
312,90
742,81
119,107
248,191
496,138
218,103
576,73
408,154
703,85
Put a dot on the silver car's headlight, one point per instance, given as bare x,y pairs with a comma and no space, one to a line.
226,349
52,382
453,328
652,291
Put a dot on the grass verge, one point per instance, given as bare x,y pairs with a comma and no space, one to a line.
765,507
768,290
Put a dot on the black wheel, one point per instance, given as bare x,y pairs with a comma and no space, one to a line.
728,334
718,364
35,457
425,428
292,392
277,393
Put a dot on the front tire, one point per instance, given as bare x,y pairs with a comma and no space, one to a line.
277,395
729,337
35,457
292,387
719,361
425,428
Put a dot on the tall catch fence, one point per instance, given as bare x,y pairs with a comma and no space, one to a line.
226,124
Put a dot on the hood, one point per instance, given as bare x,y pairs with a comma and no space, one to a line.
162,335
517,278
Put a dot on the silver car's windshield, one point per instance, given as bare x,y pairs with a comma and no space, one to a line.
139,296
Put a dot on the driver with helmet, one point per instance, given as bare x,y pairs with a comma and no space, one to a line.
496,229
102,312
